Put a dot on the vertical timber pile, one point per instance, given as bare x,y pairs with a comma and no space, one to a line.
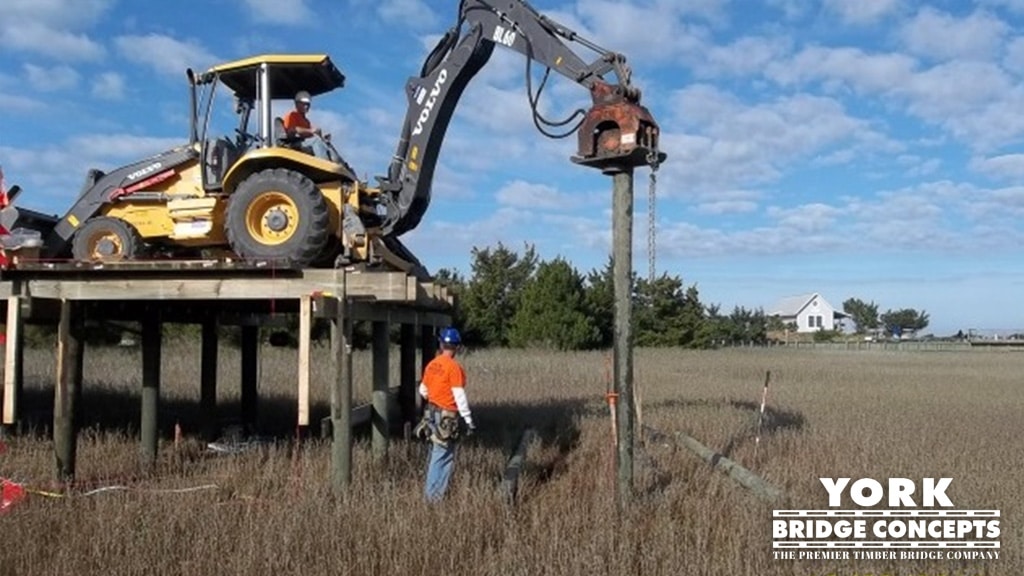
305,344
250,375
379,415
428,347
13,361
407,379
67,391
208,378
341,397
622,272
150,388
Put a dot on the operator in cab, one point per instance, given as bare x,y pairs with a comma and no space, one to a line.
297,124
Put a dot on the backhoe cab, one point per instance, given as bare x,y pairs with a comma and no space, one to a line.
240,187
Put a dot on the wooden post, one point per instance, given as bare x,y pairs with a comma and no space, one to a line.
305,333
428,347
381,368
67,391
341,399
208,379
622,274
250,375
407,375
13,356
150,388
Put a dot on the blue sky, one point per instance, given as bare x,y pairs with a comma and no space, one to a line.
867,149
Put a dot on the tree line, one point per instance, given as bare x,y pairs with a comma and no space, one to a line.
517,300
867,319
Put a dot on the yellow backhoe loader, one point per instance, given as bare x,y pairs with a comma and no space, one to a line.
248,190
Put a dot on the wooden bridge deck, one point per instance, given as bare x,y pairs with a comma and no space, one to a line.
211,293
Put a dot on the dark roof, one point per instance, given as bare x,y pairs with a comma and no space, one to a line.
289,73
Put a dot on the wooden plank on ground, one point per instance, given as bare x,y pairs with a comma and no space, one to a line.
510,479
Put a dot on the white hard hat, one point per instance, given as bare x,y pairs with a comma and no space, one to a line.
303,96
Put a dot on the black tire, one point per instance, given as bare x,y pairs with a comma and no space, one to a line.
278,215
106,239
329,255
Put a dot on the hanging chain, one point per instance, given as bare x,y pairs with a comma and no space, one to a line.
651,218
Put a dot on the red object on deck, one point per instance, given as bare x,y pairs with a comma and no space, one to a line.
10,494
4,201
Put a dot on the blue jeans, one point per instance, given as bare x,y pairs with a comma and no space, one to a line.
440,464
318,147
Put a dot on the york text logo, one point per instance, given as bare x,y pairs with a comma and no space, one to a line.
867,492
921,522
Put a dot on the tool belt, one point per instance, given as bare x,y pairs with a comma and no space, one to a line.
438,425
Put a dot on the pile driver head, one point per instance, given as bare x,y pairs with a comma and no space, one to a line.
618,133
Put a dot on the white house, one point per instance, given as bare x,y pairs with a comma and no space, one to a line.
810,313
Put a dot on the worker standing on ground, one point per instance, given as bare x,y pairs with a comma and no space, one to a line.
444,389
297,123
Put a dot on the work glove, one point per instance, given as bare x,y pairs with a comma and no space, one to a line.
470,430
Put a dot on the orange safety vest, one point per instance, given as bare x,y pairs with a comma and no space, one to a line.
440,376
295,119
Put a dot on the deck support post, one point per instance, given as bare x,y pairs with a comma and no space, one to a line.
149,427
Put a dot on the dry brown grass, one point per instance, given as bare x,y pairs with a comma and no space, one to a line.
836,414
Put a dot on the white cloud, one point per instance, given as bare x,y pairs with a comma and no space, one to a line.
1014,6
791,9
72,14
411,13
938,35
52,175
732,145
51,79
522,194
18,103
838,67
1014,58
913,218
652,32
108,86
814,217
280,11
483,232
165,54
119,149
726,207
42,39
745,56
53,28
973,100
1006,166
862,11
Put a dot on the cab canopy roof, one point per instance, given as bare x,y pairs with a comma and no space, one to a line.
289,73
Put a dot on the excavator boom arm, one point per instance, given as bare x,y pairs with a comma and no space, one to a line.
461,53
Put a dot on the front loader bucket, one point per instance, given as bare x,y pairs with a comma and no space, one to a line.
22,230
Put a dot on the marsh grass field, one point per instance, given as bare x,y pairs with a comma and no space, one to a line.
270,510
